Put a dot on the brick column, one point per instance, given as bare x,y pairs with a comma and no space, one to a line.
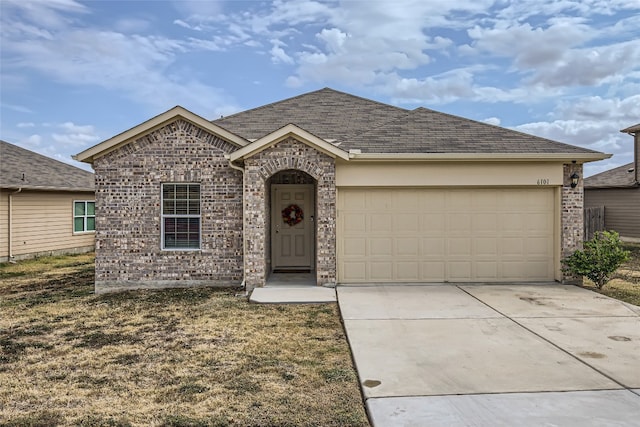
572,218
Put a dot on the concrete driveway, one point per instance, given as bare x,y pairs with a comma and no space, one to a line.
494,355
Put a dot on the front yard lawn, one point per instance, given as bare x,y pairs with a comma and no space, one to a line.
191,357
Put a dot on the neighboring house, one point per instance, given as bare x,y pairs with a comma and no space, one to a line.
352,190
618,191
46,206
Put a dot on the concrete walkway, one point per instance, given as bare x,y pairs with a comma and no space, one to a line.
293,295
494,355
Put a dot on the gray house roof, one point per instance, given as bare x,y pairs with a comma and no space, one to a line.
20,168
621,176
632,129
427,131
326,113
361,124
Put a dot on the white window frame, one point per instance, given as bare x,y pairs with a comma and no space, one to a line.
85,217
163,216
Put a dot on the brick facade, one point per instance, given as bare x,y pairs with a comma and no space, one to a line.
128,211
572,215
286,155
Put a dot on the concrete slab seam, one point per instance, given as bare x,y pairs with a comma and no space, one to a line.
550,342
353,361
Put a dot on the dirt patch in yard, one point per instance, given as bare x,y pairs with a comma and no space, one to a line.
184,357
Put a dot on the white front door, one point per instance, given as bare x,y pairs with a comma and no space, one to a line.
292,226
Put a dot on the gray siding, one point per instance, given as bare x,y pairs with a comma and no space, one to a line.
622,208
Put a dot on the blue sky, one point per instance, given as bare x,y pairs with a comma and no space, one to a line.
74,73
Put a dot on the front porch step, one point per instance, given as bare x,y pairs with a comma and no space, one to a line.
293,295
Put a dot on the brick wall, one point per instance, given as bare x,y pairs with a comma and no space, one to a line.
572,222
289,154
128,215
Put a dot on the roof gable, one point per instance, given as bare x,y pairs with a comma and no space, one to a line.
327,113
22,168
170,116
283,133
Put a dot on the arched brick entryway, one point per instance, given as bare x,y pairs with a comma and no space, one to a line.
285,155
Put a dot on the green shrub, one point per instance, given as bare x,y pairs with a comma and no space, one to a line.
600,257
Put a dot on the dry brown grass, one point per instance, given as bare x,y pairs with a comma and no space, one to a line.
625,284
193,357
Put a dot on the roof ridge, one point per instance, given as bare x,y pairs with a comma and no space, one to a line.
324,89
264,107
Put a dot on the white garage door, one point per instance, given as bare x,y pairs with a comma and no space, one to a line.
435,235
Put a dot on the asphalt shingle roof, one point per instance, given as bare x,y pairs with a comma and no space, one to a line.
427,131
631,129
326,113
374,127
622,176
40,172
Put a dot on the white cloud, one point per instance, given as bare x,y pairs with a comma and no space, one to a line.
136,66
492,121
592,122
32,141
278,54
26,125
132,25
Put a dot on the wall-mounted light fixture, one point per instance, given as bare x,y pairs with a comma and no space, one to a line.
574,180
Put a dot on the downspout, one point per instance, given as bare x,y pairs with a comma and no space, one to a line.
244,243
10,226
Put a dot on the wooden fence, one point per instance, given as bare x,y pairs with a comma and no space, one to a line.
593,221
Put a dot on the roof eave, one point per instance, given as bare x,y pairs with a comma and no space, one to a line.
631,129
161,120
482,157
603,187
46,188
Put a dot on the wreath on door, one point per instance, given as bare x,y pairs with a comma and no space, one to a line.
292,215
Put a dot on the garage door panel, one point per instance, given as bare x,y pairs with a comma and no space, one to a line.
407,246
537,246
355,202
355,222
513,246
381,271
485,246
381,200
433,224
406,223
459,271
432,271
459,246
379,223
459,223
407,271
380,246
435,235
353,271
486,222
486,270
355,247
433,247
